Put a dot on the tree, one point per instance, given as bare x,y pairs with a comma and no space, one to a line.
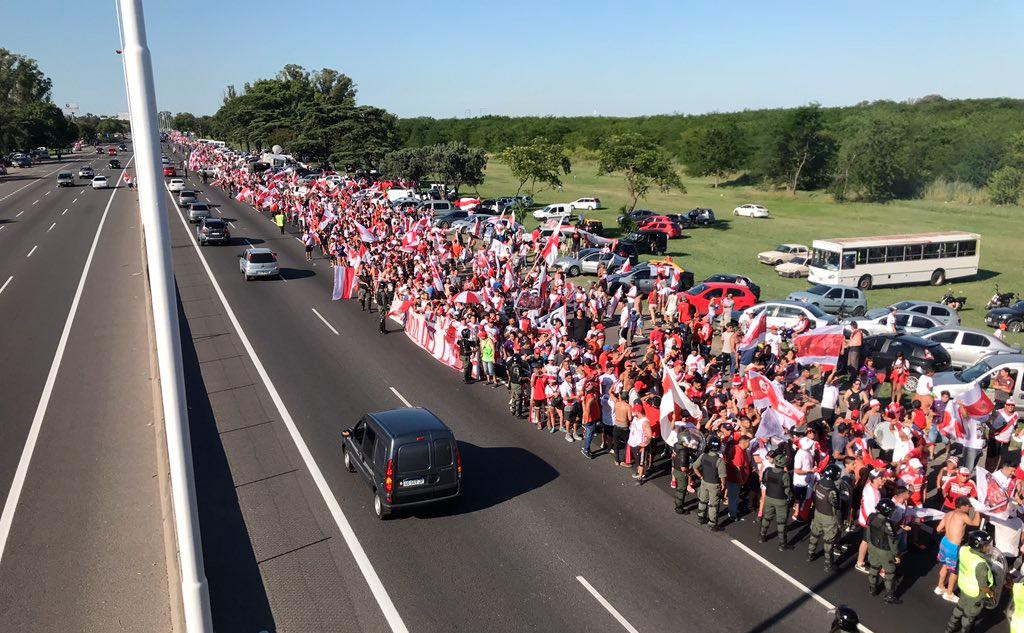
409,163
1006,186
875,161
110,127
538,163
798,149
642,162
184,122
364,136
458,165
1014,154
334,87
715,149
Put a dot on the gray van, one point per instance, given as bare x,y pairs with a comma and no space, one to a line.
408,457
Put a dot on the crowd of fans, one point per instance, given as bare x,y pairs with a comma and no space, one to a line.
869,469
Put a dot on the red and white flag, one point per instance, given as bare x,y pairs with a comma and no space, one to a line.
673,400
346,282
766,394
821,346
754,334
509,278
365,234
550,252
623,269
977,405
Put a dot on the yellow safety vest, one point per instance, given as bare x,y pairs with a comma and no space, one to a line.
966,580
1017,617
279,219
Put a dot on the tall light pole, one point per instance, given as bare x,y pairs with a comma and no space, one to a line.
145,135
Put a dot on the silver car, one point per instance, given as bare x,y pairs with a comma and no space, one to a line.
982,373
186,197
198,211
906,323
588,262
943,314
967,347
833,298
258,262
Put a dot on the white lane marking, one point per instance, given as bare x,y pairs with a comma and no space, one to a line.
329,326
400,396
19,214
74,201
36,202
793,581
604,603
51,227
36,181
4,287
231,225
1,227
297,239
32,251
380,594
47,193
64,211
18,482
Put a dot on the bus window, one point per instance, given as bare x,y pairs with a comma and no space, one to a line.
876,255
828,260
932,251
894,254
849,260
967,248
914,251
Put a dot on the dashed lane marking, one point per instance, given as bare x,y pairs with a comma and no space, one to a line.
32,251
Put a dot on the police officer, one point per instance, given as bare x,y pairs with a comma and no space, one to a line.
712,482
1017,604
466,348
827,514
365,292
385,293
518,375
778,495
845,620
883,550
683,453
975,581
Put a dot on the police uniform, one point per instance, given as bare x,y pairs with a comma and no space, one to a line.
1017,612
883,549
518,373
383,298
365,296
709,496
682,462
974,577
825,523
466,348
778,494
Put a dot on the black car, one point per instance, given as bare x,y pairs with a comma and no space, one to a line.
636,215
737,279
22,161
651,242
919,352
408,457
701,216
1012,316
113,163
100,150
444,219
213,230
627,250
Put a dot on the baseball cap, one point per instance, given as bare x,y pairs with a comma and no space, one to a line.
963,470
874,403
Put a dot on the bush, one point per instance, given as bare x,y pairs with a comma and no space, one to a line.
1006,185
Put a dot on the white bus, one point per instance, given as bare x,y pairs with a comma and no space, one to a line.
888,260
210,141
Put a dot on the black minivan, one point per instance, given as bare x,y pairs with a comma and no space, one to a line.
407,456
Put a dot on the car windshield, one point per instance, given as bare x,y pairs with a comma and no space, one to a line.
799,260
973,373
261,258
199,207
696,290
815,310
214,224
903,305
829,260
819,290
64,174
782,248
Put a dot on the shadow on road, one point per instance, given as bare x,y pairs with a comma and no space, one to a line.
236,587
296,273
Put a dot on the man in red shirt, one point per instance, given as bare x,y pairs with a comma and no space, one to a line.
737,471
959,486
537,397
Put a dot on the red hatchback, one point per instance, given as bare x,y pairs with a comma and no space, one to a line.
701,294
660,224
169,171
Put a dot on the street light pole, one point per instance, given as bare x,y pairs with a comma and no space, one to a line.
142,104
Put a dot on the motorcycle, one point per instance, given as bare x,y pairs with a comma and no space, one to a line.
954,302
1001,299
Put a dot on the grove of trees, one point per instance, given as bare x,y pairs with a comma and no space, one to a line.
28,116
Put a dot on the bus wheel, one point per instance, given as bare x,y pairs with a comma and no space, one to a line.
864,283
938,277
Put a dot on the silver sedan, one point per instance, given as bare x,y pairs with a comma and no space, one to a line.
588,262
967,347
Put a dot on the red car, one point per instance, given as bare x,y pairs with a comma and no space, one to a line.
660,224
701,294
111,151
169,171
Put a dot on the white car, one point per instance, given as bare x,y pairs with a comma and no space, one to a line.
906,323
786,314
967,347
99,182
796,267
782,253
751,211
553,211
176,184
587,204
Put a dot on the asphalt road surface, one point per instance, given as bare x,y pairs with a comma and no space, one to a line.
542,539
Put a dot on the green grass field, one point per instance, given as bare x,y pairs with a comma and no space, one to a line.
732,247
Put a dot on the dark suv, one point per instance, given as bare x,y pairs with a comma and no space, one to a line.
920,353
407,456
648,242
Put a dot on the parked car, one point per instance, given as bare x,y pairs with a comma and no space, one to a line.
169,172
701,216
751,211
786,314
919,353
198,211
588,262
982,373
736,279
909,322
213,230
113,163
594,227
553,211
186,197
967,347
782,253
587,204
445,219
648,242
65,179
1012,316
794,268
436,206
86,172
660,224
640,276
700,295
636,215
176,184
99,182
22,161
833,298
407,457
258,262
940,313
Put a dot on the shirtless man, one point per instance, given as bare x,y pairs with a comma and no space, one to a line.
953,526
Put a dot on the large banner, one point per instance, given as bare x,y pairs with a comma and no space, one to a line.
438,340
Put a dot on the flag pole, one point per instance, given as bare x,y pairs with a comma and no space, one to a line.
142,103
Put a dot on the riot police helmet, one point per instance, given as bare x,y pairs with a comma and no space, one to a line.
832,472
714,445
979,539
886,507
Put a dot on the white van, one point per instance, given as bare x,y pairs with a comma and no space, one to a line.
553,211
398,194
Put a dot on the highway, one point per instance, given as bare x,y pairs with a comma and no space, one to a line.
542,539
81,539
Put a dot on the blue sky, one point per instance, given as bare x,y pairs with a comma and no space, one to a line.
569,57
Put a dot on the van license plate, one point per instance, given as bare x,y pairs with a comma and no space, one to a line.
413,482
